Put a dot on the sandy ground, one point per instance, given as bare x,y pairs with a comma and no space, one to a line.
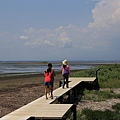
18,91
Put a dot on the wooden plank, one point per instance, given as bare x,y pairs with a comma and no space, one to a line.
74,81
80,79
39,110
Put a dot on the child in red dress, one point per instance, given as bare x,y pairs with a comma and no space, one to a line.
48,82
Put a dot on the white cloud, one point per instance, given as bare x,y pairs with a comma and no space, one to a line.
106,13
46,42
24,37
97,35
101,34
59,37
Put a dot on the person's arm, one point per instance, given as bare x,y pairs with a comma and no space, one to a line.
62,69
53,73
44,73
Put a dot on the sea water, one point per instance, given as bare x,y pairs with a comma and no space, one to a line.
34,67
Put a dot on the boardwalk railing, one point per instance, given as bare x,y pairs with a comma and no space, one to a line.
58,108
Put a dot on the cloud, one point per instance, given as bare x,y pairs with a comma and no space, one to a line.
60,37
24,37
106,23
105,14
101,34
46,42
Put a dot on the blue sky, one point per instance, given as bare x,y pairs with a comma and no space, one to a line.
59,29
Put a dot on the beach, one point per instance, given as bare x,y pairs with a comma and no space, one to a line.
18,91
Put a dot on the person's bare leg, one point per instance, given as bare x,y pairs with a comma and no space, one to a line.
46,92
51,91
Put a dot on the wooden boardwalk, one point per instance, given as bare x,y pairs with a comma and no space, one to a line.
41,109
51,111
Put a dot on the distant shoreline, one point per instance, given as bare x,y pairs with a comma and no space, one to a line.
4,76
32,75
96,62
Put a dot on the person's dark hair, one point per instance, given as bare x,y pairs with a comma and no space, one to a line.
64,66
48,70
50,64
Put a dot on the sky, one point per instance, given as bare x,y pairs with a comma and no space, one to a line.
44,30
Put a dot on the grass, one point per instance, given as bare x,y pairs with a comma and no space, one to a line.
109,77
99,95
88,114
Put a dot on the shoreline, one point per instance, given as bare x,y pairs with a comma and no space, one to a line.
5,76
14,74
9,83
27,75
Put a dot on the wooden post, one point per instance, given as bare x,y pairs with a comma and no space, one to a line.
60,99
68,93
74,112
64,118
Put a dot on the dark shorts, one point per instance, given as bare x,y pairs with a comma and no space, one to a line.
48,83
52,84
65,75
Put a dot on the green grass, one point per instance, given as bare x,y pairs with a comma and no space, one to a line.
88,114
99,95
109,77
